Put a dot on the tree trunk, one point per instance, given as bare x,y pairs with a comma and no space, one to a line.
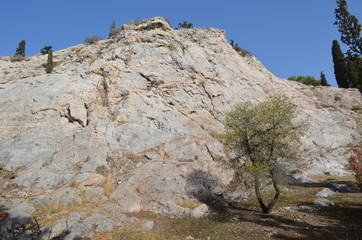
258,195
266,209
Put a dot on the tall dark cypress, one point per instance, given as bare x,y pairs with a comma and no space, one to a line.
340,66
20,50
324,79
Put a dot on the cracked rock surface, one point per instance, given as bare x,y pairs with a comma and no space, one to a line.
134,116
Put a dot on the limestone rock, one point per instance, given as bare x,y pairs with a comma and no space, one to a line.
141,110
200,211
321,203
325,192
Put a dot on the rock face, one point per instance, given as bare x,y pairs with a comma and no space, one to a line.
136,115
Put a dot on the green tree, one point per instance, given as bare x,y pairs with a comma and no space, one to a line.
262,136
354,71
92,39
307,80
340,66
20,50
349,28
185,24
46,50
50,64
324,79
111,29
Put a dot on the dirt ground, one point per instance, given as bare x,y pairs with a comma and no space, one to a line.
288,221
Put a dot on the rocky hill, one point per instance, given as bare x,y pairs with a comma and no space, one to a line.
131,120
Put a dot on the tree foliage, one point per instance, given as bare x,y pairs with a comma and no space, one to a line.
349,27
50,63
262,135
113,30
92,39
307,80
324,79
340,66
185,24
46,50
20,50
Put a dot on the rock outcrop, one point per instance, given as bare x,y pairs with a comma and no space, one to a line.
134,116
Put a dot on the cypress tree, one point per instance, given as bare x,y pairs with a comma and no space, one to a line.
50,64
111,29
349,27
340,67
21,48
324,79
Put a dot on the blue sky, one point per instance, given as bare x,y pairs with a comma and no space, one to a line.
290,37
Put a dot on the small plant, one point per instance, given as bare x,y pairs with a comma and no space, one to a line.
355,162
20,51
46,50
113,30
50,63
242,52
92,39
172,47
185,24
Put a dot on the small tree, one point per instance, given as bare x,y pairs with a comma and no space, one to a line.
92,39
185,24
260,137
113,30
50,64
46,50
324,79
20,51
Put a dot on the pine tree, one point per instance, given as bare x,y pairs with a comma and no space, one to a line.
324,79
340,67
46,50
349,27
50,64
20,51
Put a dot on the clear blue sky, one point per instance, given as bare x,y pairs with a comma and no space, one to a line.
290,37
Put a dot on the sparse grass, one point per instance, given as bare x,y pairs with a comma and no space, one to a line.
172,47
191,205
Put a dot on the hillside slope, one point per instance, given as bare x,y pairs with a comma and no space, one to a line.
132,118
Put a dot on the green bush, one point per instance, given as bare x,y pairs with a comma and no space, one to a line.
92,39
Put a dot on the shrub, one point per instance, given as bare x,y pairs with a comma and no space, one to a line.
186,25
355,162
242,52
92,39
307,80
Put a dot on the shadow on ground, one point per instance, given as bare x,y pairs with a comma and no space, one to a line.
27,228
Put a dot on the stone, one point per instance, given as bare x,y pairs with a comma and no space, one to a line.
325,192
57,229
148,225
322,203
200,211
89,180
